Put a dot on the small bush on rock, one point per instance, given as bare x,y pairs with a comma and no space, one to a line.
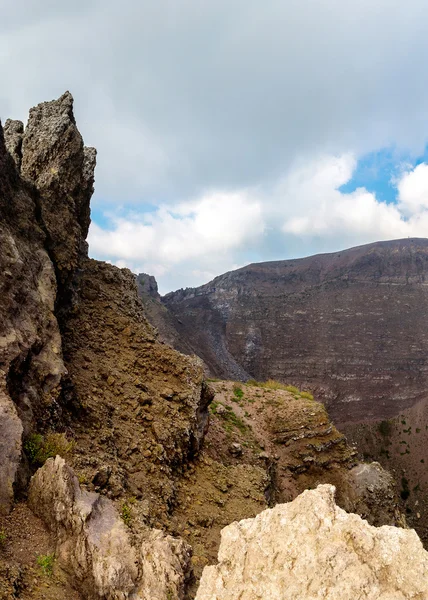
46,563
39,448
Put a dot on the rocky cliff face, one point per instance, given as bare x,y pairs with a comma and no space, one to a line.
42,244
312,549
78,360
351,326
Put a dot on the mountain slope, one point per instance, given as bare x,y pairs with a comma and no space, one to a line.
351,326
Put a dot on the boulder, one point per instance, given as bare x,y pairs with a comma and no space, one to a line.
94,545
312,549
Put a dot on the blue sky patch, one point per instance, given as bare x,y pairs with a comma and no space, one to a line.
377,171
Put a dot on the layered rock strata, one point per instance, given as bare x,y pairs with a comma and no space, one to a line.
350,326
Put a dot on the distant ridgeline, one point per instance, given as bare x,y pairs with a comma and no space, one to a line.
351,326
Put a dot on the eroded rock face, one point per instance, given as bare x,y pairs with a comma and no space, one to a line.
350,326
142,408
56,162
94,545
13,133
312,549
10,449
31,363
46,181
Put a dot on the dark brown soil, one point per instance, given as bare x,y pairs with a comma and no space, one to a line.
26,542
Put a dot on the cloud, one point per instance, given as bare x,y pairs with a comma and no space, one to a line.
413,191
323,210
181,98
203,233
304,212
273,104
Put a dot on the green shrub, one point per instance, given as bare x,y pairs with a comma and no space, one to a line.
254,383
46,563
126,514
307,395
237,392
32,446
292,389
39,448
272,384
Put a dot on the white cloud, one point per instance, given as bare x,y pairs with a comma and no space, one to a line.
181,97
322,210
413,190
303,213
204,232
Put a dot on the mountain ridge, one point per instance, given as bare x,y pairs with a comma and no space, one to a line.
246,323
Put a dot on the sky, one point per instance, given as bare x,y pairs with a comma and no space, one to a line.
236,131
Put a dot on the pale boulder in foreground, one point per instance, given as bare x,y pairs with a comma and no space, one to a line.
93,545
311,549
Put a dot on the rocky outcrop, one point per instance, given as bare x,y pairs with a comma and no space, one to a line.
31,363
50,285
141,408
312,549
166,325
265,446
95,547
147,286
373,496
350,326
13,133
56,162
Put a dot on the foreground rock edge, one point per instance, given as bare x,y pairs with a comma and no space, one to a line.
310,548
94,546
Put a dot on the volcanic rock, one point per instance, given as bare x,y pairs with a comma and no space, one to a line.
312,549
93,543
350,326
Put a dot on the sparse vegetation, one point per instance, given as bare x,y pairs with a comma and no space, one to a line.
231,421
39,448
213,406
237,392
46,563
3,538
272,384
126,513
